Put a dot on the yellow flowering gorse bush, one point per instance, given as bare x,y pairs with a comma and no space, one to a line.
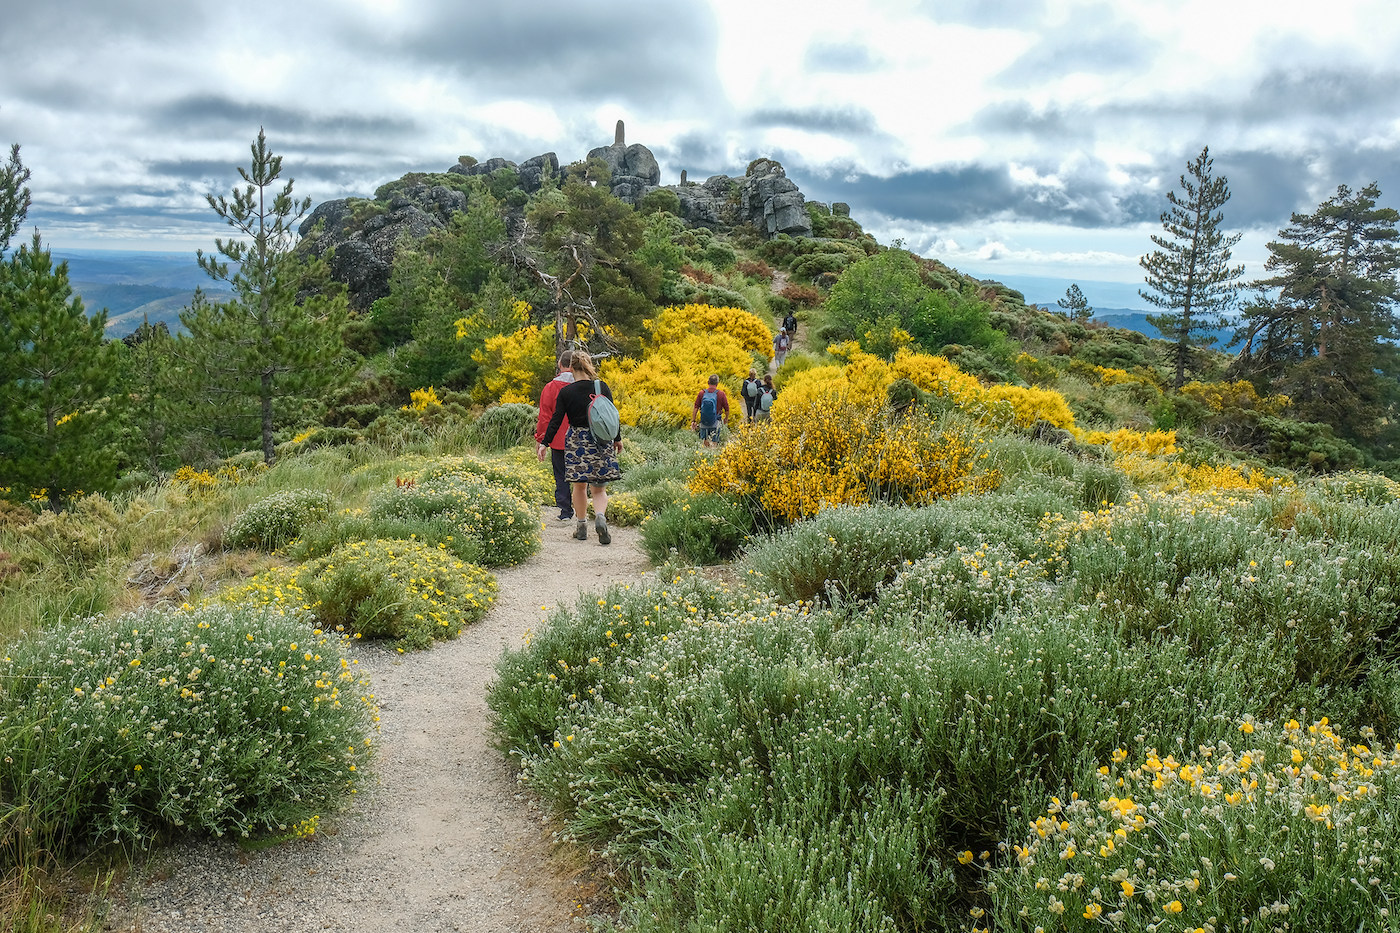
675,323
835,450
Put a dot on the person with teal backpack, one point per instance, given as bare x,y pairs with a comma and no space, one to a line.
592,444
711,410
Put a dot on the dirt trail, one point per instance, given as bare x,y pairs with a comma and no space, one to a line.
446,841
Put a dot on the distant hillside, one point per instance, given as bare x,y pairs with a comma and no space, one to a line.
135,285
1129,319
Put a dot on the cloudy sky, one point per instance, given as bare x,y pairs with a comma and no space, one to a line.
1007,137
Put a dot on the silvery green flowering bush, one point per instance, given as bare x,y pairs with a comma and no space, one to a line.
272,522
507,527
218,719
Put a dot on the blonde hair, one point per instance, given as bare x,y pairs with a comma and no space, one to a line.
582,363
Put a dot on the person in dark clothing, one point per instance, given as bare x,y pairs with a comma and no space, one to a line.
790,324
588,463
563,496
753,386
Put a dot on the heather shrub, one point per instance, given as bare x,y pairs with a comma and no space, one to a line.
1283,827
272,522
523,475
852,551
337,530
703,529
218,720
396,589
507,527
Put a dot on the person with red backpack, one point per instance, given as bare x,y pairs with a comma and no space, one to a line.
590,460
711,410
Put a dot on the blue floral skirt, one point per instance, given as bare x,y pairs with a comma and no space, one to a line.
588,461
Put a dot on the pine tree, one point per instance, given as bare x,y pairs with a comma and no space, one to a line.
14,197
1190,274
1075,304
57,418
151,381
1323,324
279,339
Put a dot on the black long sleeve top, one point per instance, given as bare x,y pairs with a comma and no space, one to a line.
572,401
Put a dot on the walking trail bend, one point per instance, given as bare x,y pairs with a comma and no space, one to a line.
445,839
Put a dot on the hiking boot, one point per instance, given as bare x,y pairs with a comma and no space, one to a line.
603,536
581,532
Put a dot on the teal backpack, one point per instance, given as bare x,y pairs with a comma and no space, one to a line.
603,419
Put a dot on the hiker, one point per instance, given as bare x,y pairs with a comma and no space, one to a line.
711,410
588,463
790,324
781,345
563,496
752,388
766,397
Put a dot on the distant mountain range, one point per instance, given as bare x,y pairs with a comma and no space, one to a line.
1129,319
135,285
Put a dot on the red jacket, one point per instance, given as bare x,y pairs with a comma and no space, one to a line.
547,398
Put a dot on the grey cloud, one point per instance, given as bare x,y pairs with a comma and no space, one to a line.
1019,118
81,22
843,122
219,115
982,12
560,50
969,192
1287,93
1093,41
841,58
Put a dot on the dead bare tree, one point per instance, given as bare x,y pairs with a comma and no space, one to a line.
571,295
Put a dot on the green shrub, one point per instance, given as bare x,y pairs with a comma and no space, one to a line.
529,479
1100,486
624,511
850,551
507,527
220,720
397,589
503,426
701,530
77,539
1251,839
320,539
876,754
970,586
659,495
270,523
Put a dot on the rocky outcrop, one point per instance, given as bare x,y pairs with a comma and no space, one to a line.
364,249
533,171
530,172
634,169
771,201
764,197
366,234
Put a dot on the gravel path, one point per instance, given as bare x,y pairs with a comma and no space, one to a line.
447,841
